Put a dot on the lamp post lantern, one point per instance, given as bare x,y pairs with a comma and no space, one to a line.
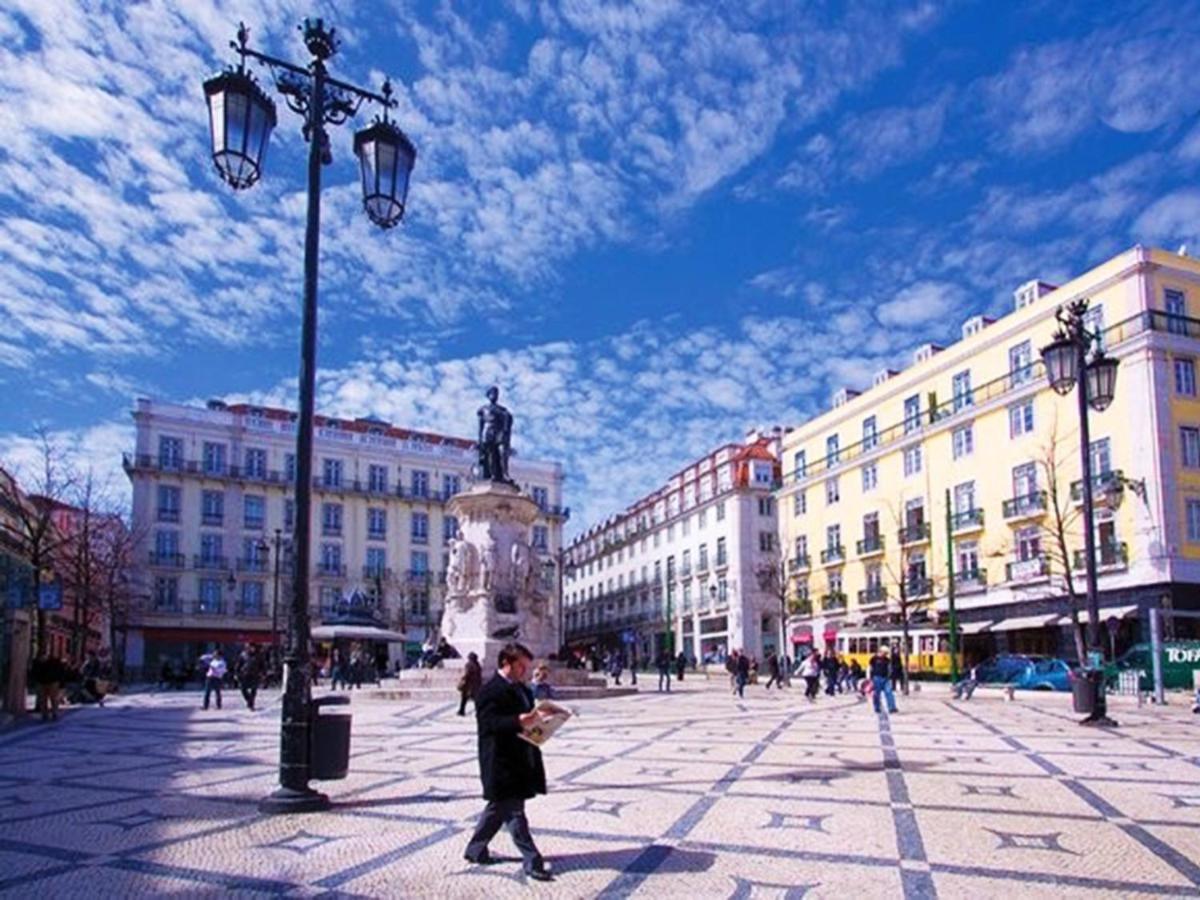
241,118
1068,367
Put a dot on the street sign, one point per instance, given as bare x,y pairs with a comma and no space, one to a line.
50,596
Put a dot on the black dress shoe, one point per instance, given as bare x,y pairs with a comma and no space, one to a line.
486,860
539,875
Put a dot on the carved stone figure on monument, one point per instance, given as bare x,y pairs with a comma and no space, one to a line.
490,562
520,566
456,568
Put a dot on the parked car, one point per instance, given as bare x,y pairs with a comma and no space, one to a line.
1179,660
1036,673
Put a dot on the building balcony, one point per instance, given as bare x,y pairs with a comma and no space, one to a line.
330,570
258,564
1022,571
376,572
331,531
216,519
799,563
722,562
702,567
967,520
168,515
918,588
164,608
210,563
834,602
1101,484
915,533
685,571
872,596
972,581
209,607
168,560
833,555
1110,557
870,545
800,606
253,611
1027,506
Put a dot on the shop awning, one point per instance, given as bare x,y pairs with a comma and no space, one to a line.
974,627
356,633
1019,623
1120,612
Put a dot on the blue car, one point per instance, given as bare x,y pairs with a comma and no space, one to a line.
1036,673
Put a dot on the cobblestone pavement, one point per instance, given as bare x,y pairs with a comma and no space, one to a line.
691,794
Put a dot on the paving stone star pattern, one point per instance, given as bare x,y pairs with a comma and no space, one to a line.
692,794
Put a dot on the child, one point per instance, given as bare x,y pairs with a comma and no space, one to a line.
541,683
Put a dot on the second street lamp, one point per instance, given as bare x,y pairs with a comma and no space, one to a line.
1068,368
241,118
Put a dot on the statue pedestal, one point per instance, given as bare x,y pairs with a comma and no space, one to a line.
493,585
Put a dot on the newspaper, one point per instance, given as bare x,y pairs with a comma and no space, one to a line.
553,717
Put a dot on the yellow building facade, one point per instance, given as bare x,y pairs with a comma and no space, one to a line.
963,470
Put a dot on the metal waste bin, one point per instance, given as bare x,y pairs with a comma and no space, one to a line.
329,740
1084,687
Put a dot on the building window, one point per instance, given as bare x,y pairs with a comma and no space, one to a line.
452,484
912,413
420,483
1020,418
1192,509
967,565
1029,543
831,450
722,558
541,538
721,511
170,453
799,503
449,529
870,433
912,460
870,477
166,593
252,598
766,541
964,441
376,562
1185,376
799,464
766,507
833,539
1189,440
256,463
377,479
289,514
166,545
210,596
254,512
963,398
331,472
212,507
331,559
376,523
1020,363
541,497
214,458
211,549
289,467
832,494
1024,479
1101,457
420,528
168,503
331,519
964,497
1176,306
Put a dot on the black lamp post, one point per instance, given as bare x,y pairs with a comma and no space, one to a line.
1067,365
241,117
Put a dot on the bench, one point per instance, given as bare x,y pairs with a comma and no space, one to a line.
1009,690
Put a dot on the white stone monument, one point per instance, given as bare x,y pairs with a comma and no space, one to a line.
494,590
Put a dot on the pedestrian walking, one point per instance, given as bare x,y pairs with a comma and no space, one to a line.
896,669
47,674
616,665
829,668
470,683
510,768
810,671
731,664
742,675
663,664
89,674
856,675
680,664
773,669
249,674
881,680
214,676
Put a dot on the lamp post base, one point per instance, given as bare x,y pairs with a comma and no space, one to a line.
1099,721
289,800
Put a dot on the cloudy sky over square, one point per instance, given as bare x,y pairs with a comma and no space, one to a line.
653,224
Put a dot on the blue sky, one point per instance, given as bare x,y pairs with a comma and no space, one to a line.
654,224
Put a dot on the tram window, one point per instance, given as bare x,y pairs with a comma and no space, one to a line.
943,643
926,643
872,644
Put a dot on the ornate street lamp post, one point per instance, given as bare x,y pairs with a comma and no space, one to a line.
1067,365
241,117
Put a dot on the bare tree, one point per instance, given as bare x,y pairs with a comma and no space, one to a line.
30,500
773,578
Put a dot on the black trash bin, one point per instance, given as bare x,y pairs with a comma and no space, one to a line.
329,740
1084,686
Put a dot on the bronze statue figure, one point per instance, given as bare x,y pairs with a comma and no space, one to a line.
495,439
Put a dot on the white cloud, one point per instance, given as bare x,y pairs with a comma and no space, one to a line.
1172,220
919,304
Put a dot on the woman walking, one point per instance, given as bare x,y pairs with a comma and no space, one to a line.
810,671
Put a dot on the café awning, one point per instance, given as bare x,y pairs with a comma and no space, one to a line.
1020,623
356,633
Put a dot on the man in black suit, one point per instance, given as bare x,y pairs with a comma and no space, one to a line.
510,768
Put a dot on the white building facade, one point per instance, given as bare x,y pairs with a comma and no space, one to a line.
213,496
681,568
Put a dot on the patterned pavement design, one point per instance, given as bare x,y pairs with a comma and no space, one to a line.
692,794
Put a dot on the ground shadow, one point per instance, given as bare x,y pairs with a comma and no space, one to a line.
666,860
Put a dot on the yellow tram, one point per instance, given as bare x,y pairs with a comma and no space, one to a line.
928,646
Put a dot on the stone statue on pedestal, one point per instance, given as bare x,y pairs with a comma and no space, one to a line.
495,439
